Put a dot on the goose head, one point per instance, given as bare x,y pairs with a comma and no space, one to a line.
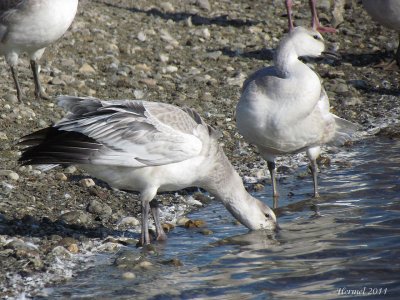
306,42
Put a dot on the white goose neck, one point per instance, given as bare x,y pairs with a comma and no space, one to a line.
286,58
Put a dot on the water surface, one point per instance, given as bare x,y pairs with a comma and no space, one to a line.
343,245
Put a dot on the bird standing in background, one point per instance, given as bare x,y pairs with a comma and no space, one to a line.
147,147
284,109
30,26
386,13
315,24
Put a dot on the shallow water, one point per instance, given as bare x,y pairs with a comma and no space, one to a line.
343,245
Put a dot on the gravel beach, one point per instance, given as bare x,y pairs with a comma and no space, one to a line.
194,53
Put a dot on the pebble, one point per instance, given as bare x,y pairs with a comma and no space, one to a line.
182,221
97,208
87,182
61,176
128,275
87,69
173,262
167,7
3,136
206,232
204,4
191,201
9,174
195,224
77,217
141,36
70,169
128,222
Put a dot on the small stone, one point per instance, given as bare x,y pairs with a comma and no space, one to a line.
258,187
67,241
87,69
145,264
98,208
167,7
9,174
170,69
3,136
128,222
70,170
182,221
75,218
141,36
87,182
139,94
164,57
167,227
204,4
73,248
206,232
173,262
195,224
128,275
191,201
61,176
148,81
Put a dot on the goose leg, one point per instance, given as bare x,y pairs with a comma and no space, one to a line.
314,171
272,172
155,210
39,93
312,154
145,237
315,21
289,4
14,73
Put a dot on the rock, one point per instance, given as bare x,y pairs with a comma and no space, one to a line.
206,232
127,259
67,241
148,81
78,218
128,222
141,36
204,4
258,187
191,201
167,7
87,69
182,221
61,176
195,224
73,248
9,174
87,182
97,208
128,275
173,262
70,170
3,136
167,227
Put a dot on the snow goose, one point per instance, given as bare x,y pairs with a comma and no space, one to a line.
147,147
314,17
284,109
30,26
387,13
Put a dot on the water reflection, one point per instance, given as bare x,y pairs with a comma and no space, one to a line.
346,242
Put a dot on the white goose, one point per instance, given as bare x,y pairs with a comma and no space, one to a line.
30,26
387,13
284,109
146,147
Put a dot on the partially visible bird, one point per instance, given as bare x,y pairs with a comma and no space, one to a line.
284,109
386,13
146,147
315,24
30,26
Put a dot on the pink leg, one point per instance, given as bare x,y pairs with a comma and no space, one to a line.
315,21
288,4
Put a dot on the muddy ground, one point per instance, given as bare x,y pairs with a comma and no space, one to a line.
181,52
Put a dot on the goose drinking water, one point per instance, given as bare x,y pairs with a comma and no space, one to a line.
146,147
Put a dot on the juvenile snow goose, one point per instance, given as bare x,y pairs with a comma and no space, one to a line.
146,147
284,109
30,26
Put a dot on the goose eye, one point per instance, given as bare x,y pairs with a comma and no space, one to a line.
316,37
267,215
